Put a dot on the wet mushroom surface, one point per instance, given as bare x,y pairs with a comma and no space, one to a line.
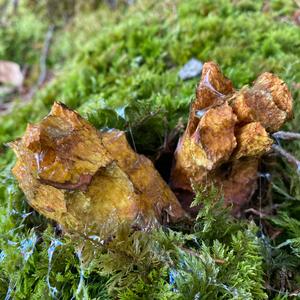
227,133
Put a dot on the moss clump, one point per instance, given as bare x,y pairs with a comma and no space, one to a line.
163,264
120,70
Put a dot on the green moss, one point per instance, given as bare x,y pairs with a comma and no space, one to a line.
20,38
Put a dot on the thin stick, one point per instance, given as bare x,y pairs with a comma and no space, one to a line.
256,212
194,253
288,156
3,7
286,135
43,60
15,4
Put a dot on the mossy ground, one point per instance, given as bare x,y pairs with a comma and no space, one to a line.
107,62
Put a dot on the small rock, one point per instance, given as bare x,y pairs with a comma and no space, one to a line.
191,69
137,61
10,73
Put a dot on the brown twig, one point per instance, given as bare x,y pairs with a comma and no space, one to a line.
286,135
3,9
46,48
15,4
43,62
256,212
194,253
288,156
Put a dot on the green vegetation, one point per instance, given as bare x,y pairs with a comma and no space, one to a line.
119,68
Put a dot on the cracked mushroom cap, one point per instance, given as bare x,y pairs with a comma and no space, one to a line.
252,141
229,130
85,179
278,89
64,149
211,144
268,101
211,90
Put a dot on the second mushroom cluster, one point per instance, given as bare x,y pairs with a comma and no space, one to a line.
227,133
